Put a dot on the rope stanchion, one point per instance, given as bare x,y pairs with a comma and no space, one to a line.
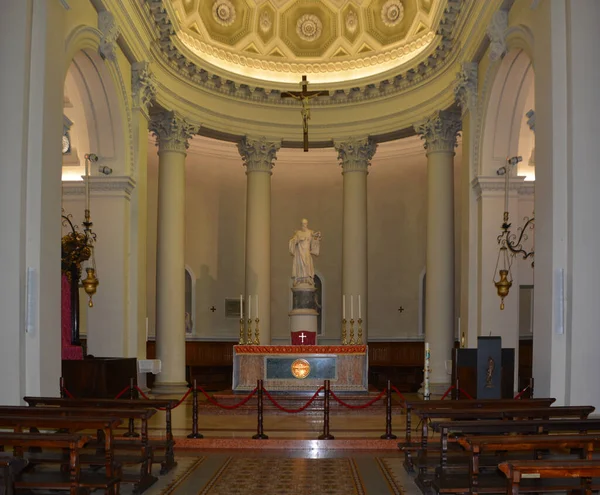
292,411
260,435
326,435
131,433
388,435
195,433
225,406
361,406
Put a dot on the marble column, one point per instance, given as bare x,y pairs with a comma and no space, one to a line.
259,156
355,158
172,134
439,133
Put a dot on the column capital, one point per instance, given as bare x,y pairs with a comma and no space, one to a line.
143,86
496,32
172,131
258,154
440,131
355,154
465,89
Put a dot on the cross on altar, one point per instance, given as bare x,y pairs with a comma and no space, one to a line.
304,97
302,337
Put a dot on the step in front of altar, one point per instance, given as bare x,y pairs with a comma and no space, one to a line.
300,368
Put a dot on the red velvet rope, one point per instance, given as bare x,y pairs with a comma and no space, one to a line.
465,394
120,394
398,392
164,408
520,394
452,387
292,411
361,406
67,393
224,406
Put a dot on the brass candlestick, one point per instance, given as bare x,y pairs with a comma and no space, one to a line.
249,339
241,341
352,342
359,339
344,339
256,333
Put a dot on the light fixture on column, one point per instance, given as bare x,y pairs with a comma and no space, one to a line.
78,247
510,243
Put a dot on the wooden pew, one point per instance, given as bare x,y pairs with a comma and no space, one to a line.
143,456
73,479
516,471
478,446
409,405
506,413
167,444
10,467
74,424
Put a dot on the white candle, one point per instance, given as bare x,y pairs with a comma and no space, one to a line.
249,307
344,306
257,305
359,311
351,307
241,306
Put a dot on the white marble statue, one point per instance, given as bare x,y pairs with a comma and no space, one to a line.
303,245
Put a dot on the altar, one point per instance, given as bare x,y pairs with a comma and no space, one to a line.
298,368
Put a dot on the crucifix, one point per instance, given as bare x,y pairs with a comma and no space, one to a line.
302,337
304,97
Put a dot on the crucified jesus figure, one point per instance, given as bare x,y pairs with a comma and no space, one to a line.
304,98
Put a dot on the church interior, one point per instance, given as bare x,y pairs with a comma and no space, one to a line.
259,233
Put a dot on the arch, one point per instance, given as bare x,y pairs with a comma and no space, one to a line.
104,96
504,130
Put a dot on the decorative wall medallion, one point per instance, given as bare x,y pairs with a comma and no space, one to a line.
300,368
224,12
309,27
392,12
265,22
351,21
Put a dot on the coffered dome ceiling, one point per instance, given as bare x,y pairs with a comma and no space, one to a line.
330,40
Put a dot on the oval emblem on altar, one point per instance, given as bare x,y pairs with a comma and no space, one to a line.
300,368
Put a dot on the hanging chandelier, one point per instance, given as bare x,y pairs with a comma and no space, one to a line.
510,243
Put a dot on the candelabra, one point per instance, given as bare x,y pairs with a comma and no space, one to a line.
241,341
256,333
344,338
249,339
352,341
359,339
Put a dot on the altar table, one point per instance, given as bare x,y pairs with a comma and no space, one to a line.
298,368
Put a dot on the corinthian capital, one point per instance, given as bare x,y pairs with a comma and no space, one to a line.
110,32
355,154
172,132
496,32
143,86
465,89
258,154
440,131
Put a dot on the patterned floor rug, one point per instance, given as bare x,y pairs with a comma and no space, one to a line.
285,476
168,484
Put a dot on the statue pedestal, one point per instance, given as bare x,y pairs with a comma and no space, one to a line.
303,316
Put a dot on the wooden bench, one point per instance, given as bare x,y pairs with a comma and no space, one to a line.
516,471
144,456
408,446
506,413
168,443
478,446
73,424
72,479
10,467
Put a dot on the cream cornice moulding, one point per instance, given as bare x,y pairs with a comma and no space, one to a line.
494,185
180,61
101,186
